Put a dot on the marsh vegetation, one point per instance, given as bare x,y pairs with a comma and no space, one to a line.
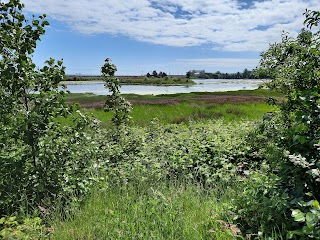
193,166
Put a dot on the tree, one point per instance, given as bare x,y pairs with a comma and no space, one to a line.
294,68
245,73
154,73
238,75
34,163
115,102
189,74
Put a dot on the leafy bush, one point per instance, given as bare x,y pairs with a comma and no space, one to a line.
310,218
29,228
206,152
291,136
39,158
294,67
261,208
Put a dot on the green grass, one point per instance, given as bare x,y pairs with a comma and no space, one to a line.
165,210
182,108
184,112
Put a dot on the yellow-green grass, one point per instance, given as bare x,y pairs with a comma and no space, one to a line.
165,210
142,115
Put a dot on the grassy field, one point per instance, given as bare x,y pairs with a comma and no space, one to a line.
184,112
182,108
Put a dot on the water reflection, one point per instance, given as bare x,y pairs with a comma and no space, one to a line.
207,85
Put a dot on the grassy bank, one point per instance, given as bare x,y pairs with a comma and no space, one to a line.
134,80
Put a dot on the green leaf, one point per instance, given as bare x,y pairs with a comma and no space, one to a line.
35,22
311,219
298,215
316,204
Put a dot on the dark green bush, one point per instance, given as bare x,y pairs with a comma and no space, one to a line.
40,159
291,137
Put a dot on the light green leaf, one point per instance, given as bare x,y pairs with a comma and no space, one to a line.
298,215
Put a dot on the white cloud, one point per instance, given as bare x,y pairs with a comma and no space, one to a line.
226,25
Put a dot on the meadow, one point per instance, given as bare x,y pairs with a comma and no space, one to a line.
183,108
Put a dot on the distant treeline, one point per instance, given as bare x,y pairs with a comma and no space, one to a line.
157,75
245,74
201,74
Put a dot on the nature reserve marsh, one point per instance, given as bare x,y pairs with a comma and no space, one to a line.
193,164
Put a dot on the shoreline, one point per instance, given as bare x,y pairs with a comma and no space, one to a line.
126,83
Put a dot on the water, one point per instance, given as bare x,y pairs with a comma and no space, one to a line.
202,85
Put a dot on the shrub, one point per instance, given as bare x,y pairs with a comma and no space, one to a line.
294,67
292,135
37,154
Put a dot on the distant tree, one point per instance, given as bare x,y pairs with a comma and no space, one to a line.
202,74
164,74
148,75
214,76
160,74
189,74
238,75
154,73
245,73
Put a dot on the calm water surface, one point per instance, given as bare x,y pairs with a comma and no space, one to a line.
203,85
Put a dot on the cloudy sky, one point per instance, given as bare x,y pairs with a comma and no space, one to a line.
164,35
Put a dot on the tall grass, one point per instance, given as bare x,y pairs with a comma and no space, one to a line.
165,210
184,112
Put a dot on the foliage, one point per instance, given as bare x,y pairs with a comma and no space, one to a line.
144,161
115,102
294,67
157,75
310,218
261,207
290,138
37,154
43,161
29,228
312,18
206,152
246,74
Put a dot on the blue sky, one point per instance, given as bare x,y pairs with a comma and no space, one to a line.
164,35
